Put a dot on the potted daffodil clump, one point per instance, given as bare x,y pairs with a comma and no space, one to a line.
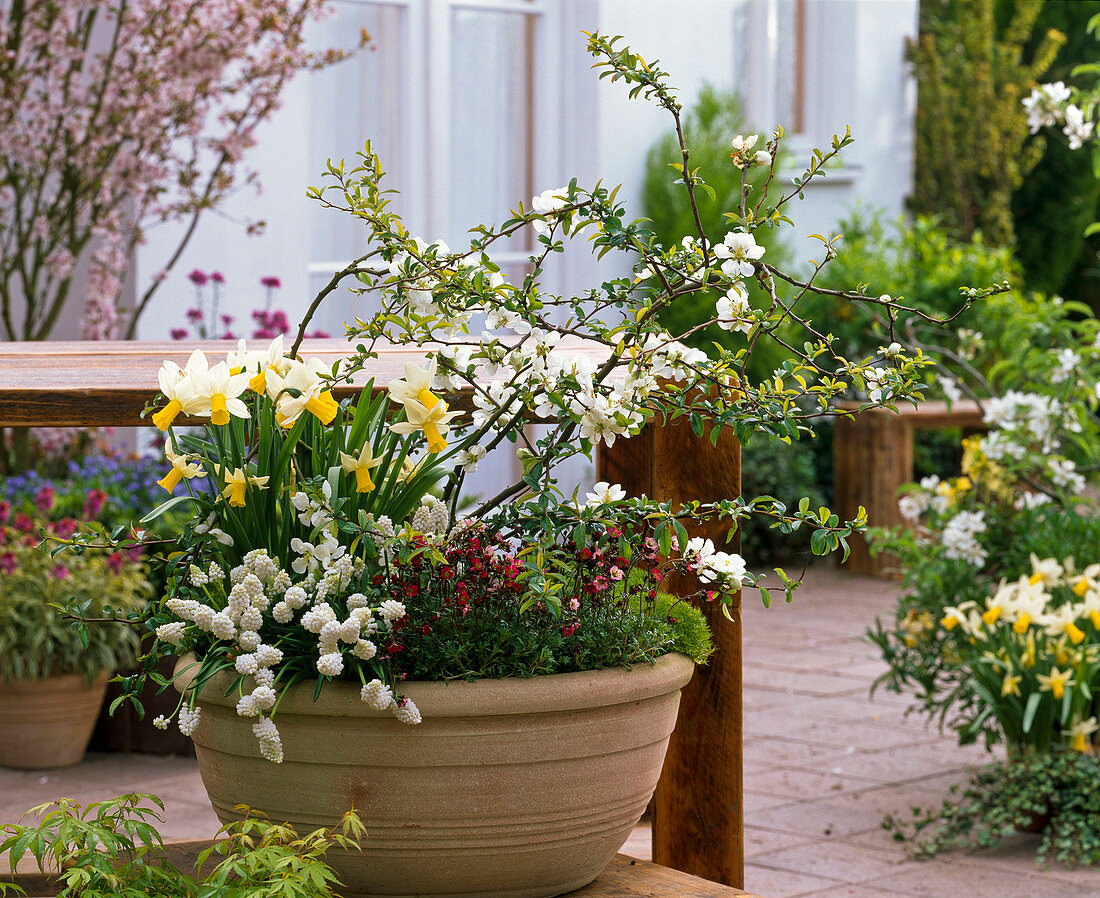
502,673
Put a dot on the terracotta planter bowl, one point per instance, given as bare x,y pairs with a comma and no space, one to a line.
518,788
47,723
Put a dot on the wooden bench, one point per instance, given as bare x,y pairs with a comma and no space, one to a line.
698,815
873,459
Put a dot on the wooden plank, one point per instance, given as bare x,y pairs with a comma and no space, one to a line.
697,810
106,384
625,878
873,459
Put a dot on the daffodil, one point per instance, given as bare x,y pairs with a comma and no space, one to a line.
1079,734
1047,571
1027,658
237,482
952,618
1064,620
361,464
1011,684
217,392
1055,682
434,422
181,467
417,385
264,361
314,396
178,388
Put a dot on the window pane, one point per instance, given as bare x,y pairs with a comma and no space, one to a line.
490,104
356,100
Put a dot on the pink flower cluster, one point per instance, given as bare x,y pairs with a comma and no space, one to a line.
116,116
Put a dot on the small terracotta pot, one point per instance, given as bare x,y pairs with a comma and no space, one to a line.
47,723
520,788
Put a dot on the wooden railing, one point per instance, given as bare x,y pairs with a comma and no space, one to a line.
698,817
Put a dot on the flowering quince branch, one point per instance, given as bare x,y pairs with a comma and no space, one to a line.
318,548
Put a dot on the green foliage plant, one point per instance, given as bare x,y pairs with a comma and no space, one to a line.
37,639
1055,795
111,849
972,148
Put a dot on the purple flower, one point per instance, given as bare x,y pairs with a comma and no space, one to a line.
44,500
194,315
319,335
198,278
272,283
60,572
178,333
227,319
217,277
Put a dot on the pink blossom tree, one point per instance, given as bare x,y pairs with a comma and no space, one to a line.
116,115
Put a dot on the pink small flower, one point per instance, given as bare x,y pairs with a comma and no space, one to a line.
217,277
178,333
7,562
64,528
227,319
5,511
271,282
93,504
114,562
319,335
194,315
59,572
198,278
615,573
45,499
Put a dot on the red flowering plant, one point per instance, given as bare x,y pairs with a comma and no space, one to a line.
462,607
36,639
208,319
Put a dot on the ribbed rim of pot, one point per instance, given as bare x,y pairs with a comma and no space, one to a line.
458,698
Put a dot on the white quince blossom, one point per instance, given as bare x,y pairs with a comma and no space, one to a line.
470,458
1076,129
892,351
1067,362
733,310
547,202
740,250
604,493
1044,105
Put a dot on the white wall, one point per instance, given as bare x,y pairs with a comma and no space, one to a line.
589,129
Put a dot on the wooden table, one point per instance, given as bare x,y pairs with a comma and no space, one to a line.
873,459
625,878
698,807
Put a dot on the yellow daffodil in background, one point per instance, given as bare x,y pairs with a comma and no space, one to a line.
313,393
1011,684
409,469
217,392
434,422
1048,571
181,467
237,482
417,385
952,617
361,465
1079,734
1063,620
1055,682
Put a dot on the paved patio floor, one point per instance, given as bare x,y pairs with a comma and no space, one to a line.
823,764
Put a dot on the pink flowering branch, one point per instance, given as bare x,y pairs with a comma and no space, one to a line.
115,116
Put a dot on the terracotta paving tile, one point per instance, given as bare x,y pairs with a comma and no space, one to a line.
835,860
801,783
769,882
962,879
821,820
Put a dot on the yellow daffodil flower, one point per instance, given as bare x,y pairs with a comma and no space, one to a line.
237,482
1023,621
1027,658
1064,621
181,467
361,465
1079,734
952,618
434,422
217,392
1056,682
417,385
1011,685
313,396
